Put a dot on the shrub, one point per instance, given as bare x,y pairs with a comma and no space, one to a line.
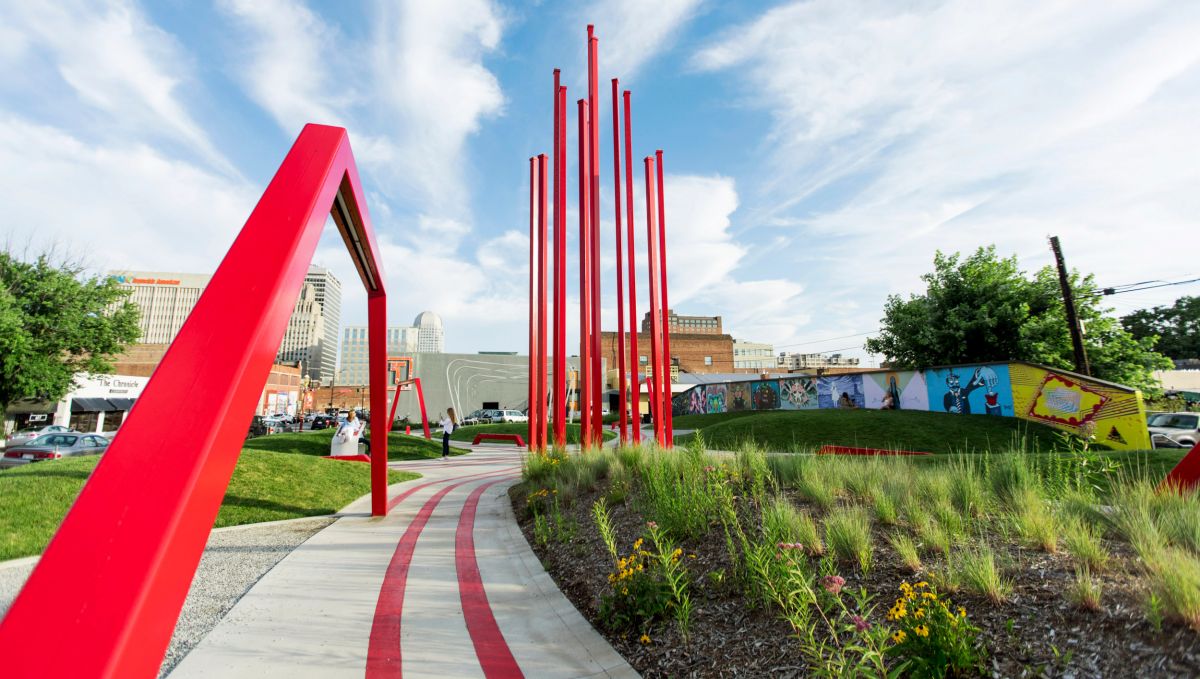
817,490
967,493
933,536
950,520
1012,480
1174,580
885,509
677,491
907,550
648,586
933,638
780,521
848,534
1035,523
977,570
1084,545
1085,590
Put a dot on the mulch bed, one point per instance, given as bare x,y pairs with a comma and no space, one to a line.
1037,632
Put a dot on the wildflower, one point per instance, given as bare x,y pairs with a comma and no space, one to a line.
833,584
644,639
919,613
922,584
637,544
691,556
928,595
899,636
962,612
860,623
676,554
651,525
921,630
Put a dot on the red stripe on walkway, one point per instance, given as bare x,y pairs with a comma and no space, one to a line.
495,658
383,649
403,496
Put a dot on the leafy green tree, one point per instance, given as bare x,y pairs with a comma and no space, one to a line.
55,322
1177,327
984,308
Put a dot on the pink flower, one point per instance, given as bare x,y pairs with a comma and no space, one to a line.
651,524
860,623
833,583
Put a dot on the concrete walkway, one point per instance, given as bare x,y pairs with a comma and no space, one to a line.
444,586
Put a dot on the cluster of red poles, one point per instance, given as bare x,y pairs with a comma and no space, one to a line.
590,384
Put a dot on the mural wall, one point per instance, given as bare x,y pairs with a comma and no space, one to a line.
1113,414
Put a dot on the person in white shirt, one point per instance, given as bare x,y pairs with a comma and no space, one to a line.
449,421
345,441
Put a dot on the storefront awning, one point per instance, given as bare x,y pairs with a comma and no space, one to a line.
91,405
121,403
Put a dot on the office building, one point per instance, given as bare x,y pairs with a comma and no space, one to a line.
791,361
753,357
430,338
304,341
327,295
702,325
401,341
164,299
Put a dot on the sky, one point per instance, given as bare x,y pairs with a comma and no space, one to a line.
817,153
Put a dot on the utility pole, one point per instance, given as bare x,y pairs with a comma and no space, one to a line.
1081,361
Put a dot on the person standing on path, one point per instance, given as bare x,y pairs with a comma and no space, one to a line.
449,421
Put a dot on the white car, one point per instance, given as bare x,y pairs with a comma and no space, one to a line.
1183,428
30,433
509,416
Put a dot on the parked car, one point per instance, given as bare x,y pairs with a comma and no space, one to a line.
258,427
1183,428
1161,441
55,446
473,418
321,422
30,433
510,416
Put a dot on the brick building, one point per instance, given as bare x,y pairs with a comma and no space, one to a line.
692,352
692,325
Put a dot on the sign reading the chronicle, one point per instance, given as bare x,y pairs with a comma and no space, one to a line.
1114,415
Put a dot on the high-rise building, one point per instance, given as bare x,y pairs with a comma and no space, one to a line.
401,341
696,325
165,300
304,340
327,294
753,356
430,338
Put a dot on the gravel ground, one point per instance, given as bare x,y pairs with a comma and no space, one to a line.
233,561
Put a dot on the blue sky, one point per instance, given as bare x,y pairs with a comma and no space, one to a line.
817,152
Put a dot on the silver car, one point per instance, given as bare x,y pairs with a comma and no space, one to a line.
1183,428
30,433
53,447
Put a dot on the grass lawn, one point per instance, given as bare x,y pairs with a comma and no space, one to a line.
797,430
468,433
266,486
400,447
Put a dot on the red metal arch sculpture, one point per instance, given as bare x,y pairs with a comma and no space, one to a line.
113,579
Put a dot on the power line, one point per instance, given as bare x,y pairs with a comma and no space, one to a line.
1112,291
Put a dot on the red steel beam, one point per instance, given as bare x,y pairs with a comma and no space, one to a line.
585,311
421,400
597,383
116,573
532,308
668,425
540,433
634,360
656,361
621,382
560,262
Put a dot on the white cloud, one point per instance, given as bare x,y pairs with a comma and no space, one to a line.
632,32
118,62
904,128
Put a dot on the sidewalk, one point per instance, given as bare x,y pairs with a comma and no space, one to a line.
444,586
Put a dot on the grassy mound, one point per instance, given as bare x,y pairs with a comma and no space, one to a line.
796,430
468,433
265,486
400,447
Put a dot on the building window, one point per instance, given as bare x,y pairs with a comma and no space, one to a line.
708,360
643,359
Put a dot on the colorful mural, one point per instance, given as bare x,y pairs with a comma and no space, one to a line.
906,388
765,395
716,395
840,391
798,393
970,390
1112,414
739,397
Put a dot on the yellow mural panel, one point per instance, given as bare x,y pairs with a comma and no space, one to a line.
1114,416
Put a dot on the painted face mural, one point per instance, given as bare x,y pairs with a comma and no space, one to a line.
739,396
716,395
766,395
698,404
798,393
971,390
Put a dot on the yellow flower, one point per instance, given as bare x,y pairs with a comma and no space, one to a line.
962,612
645,639
691,556
920,613
922,584
637,544
921,630
899,636
928,595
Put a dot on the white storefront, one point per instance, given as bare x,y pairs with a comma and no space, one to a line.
99,403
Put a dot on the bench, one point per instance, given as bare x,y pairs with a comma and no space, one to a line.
515,438
847,450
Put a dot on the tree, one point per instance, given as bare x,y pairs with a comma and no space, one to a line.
1177,327
984,308
55,322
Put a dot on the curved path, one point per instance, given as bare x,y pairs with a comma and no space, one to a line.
444,586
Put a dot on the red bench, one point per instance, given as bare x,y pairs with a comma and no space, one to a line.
515,438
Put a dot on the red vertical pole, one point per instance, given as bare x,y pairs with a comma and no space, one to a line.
621,382
655,311
421,400
597,384
542,349
634,362
532,319
668,413
560,263
377,378
585,287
